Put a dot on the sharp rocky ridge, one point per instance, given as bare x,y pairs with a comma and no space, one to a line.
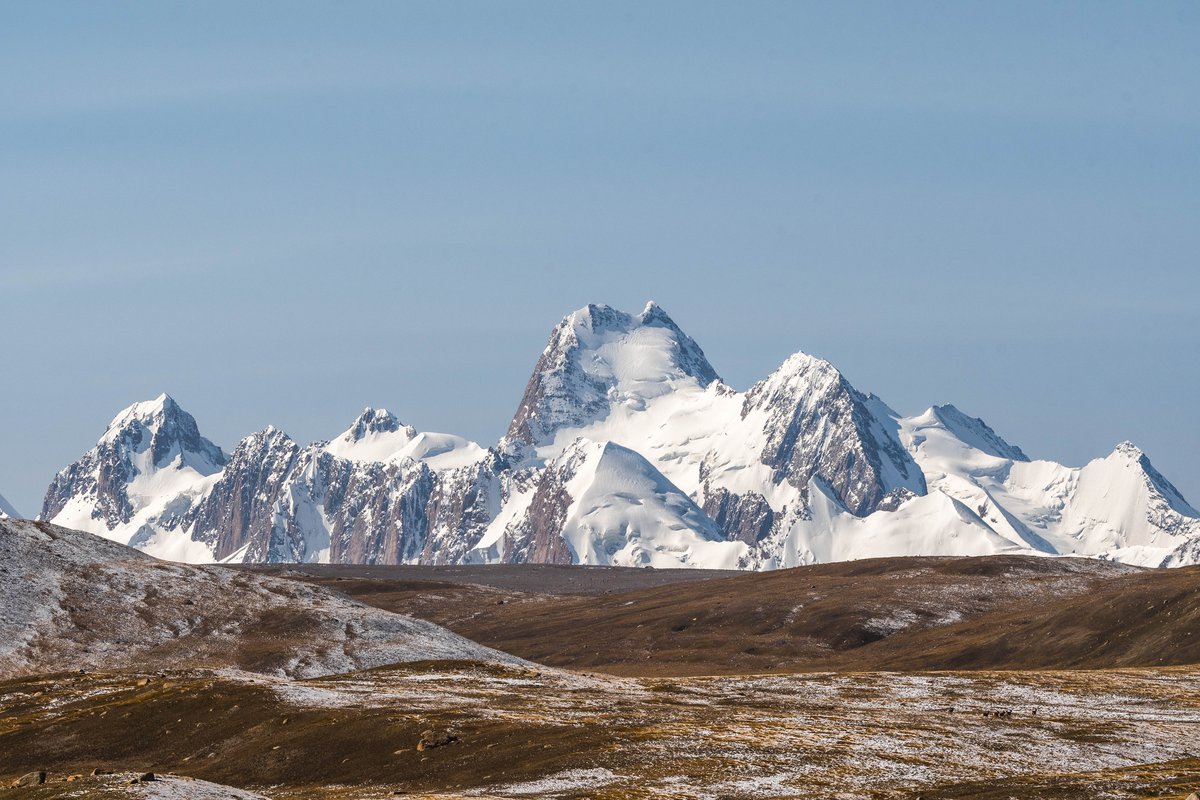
626,448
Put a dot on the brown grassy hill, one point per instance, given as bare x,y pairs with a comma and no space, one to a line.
998,612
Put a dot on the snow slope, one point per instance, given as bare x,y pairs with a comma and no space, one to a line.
1117,507
603,504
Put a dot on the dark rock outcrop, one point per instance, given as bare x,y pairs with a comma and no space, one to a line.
241,507
819,426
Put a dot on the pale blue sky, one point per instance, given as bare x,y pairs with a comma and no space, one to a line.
282,212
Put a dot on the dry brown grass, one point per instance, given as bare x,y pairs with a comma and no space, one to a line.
524,732
1002,612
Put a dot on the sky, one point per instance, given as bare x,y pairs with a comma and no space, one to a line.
280,213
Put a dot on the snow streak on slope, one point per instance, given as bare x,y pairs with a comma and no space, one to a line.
626,448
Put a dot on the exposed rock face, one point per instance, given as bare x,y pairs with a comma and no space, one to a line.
462,505
289,504
536,536
1186,554
744,518
241,507
285,503
599,356
817,425
378,511
376,420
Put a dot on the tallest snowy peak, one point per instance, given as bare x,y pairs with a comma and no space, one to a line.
598,318
599,357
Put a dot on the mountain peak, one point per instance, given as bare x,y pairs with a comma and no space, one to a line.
1134,456
975,432
378,436
145,410
1128,450
817,425
373,420
148,448
653,312
168,430
271,432
804,365
599,358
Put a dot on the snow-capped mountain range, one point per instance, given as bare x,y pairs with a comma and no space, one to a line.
627,448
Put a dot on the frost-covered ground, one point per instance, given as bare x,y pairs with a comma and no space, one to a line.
129,786
111,659
875,735
820,735
70,600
